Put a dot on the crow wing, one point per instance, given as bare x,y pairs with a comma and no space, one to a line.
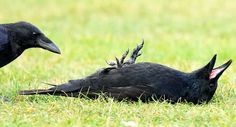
143,80
3,38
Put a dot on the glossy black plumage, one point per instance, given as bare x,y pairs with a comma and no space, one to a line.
16,37
145,81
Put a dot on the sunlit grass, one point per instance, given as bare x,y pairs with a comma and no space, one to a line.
181,34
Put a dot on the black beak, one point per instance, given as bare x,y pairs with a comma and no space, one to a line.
45,43
211,64
205,71
218,71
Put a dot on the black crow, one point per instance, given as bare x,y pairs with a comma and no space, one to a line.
143,81
16,37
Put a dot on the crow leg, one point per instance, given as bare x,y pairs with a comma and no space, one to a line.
121,62
135,54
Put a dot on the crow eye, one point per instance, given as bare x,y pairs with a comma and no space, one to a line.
211,85
34,33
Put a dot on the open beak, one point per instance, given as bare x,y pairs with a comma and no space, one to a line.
206,70
218,71
45,43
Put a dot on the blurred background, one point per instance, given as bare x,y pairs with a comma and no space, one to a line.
182,34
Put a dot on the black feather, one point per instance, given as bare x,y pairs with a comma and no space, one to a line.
17,37
145,81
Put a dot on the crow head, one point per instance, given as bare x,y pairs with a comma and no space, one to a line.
27,35
205,79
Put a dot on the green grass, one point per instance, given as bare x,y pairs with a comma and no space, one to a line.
181,34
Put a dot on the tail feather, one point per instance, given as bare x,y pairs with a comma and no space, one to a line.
57,93
50,84
36,91
49,92
73,88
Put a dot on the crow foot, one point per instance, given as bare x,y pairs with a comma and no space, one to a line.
119,63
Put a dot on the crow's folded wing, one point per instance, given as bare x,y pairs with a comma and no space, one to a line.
3,38
142,92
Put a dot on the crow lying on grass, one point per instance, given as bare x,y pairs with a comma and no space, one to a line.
143,81
16,37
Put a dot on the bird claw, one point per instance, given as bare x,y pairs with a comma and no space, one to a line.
121,62
135,54
118,63
112,63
